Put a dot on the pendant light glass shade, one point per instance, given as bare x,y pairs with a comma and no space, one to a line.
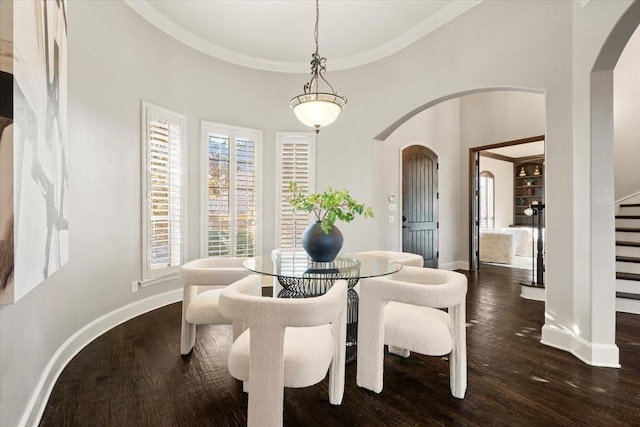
314,108
317,109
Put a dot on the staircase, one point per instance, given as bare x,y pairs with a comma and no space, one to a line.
628,258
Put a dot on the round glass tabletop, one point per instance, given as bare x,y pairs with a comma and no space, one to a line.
295,263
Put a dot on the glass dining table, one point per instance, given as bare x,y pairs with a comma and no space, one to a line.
300,277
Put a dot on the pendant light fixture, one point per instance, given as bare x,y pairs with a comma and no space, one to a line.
315,108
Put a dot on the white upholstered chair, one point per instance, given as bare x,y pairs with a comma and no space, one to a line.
202,281
407,259
291,342
404,313
404,258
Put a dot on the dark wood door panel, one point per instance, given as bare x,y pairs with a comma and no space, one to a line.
420,203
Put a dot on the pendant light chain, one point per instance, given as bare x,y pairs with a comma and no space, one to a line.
316,32
318,64
313,107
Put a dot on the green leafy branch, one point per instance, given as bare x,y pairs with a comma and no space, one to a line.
328,206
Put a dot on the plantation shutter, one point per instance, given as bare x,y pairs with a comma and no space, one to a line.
487,202
218,200
296,163
163,233
232,191
246,200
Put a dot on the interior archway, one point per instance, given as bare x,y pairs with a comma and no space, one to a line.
601,185
451,125
382,136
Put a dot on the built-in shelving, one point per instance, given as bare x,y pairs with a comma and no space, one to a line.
528,187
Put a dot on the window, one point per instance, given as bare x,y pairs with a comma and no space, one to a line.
487,201
231,190
163,154
296,162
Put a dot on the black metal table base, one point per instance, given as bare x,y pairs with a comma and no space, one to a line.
316,283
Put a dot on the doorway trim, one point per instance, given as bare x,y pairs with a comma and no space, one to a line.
474,208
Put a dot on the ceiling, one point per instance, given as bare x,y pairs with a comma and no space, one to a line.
278,35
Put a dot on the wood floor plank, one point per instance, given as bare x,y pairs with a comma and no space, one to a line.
134,375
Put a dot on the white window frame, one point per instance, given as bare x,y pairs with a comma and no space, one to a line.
149,110
308,138
234,132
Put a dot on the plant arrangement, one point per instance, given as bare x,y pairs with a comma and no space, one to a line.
529,181
328,206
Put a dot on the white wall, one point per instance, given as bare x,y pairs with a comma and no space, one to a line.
116,59
584,314
500,116
626,125
503,180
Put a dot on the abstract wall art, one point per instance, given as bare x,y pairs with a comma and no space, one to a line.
6,153
39,145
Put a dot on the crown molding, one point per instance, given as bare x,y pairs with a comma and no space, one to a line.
179,33
443,16
448,13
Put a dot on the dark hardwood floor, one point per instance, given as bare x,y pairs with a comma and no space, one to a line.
134,376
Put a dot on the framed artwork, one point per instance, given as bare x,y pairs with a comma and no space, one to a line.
6,153
36,140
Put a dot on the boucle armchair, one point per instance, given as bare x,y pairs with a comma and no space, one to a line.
203,280
404,313
407,259
404,258
291,342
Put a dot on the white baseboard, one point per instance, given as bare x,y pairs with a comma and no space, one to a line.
72,346
533,293
456,265
603,355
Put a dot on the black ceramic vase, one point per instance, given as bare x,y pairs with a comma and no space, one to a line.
319,246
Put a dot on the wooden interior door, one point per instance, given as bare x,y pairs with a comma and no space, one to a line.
420,203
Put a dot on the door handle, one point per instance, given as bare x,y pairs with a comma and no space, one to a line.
405,226
404,218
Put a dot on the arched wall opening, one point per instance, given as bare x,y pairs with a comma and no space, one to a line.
601,184
626,126
581,315
449,126
395,125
